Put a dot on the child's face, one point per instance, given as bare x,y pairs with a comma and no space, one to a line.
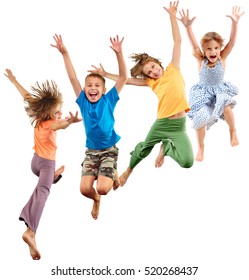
153,70
94,89
56,113
212,50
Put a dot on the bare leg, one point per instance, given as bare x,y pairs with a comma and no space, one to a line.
200,134
229,118
160,158
57,174
29,237
116,182
87,189
233,138
124,177
96,205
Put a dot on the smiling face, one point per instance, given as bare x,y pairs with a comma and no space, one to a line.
212,50
152,70
94,88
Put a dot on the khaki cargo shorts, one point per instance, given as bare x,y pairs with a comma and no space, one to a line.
100,162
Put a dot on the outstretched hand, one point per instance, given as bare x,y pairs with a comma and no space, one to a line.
172,10
10,75
98,70
185,19
59,44
236,14
116,44
73,118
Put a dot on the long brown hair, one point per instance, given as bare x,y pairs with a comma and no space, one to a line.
41,101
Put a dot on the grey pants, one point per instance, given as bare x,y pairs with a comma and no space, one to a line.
32,211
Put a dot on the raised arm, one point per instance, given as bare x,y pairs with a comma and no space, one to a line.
25,94
101,71
123,76
176,53
236,14
130,81
187,22
68,64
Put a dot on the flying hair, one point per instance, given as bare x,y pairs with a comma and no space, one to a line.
41,101
140,60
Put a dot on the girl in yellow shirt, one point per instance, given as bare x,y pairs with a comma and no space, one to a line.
168,85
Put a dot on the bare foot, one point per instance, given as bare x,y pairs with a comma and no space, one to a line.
124,177
29,238
200,153
95,209
116,182
233,139
57,174
160,158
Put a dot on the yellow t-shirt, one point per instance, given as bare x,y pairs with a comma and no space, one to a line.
170,91
45,140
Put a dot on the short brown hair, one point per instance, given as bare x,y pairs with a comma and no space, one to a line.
95,75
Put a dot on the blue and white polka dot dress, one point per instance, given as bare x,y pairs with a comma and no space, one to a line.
210,95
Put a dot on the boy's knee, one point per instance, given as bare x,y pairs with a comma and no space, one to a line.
102,190
84,191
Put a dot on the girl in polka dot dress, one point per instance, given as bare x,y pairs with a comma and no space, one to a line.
212,98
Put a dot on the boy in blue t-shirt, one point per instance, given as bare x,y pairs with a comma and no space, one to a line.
97,110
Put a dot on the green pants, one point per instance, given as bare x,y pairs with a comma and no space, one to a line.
172,133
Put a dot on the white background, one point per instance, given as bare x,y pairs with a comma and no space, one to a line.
161,217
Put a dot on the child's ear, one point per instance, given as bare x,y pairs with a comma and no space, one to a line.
104,91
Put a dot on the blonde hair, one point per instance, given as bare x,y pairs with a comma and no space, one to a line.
205,39
141,59
41,101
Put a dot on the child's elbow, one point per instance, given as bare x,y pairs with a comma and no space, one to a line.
124,79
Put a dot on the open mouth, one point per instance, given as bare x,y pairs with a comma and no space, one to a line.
157,74
93,95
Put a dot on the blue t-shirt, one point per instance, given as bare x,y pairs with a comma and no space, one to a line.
99,120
